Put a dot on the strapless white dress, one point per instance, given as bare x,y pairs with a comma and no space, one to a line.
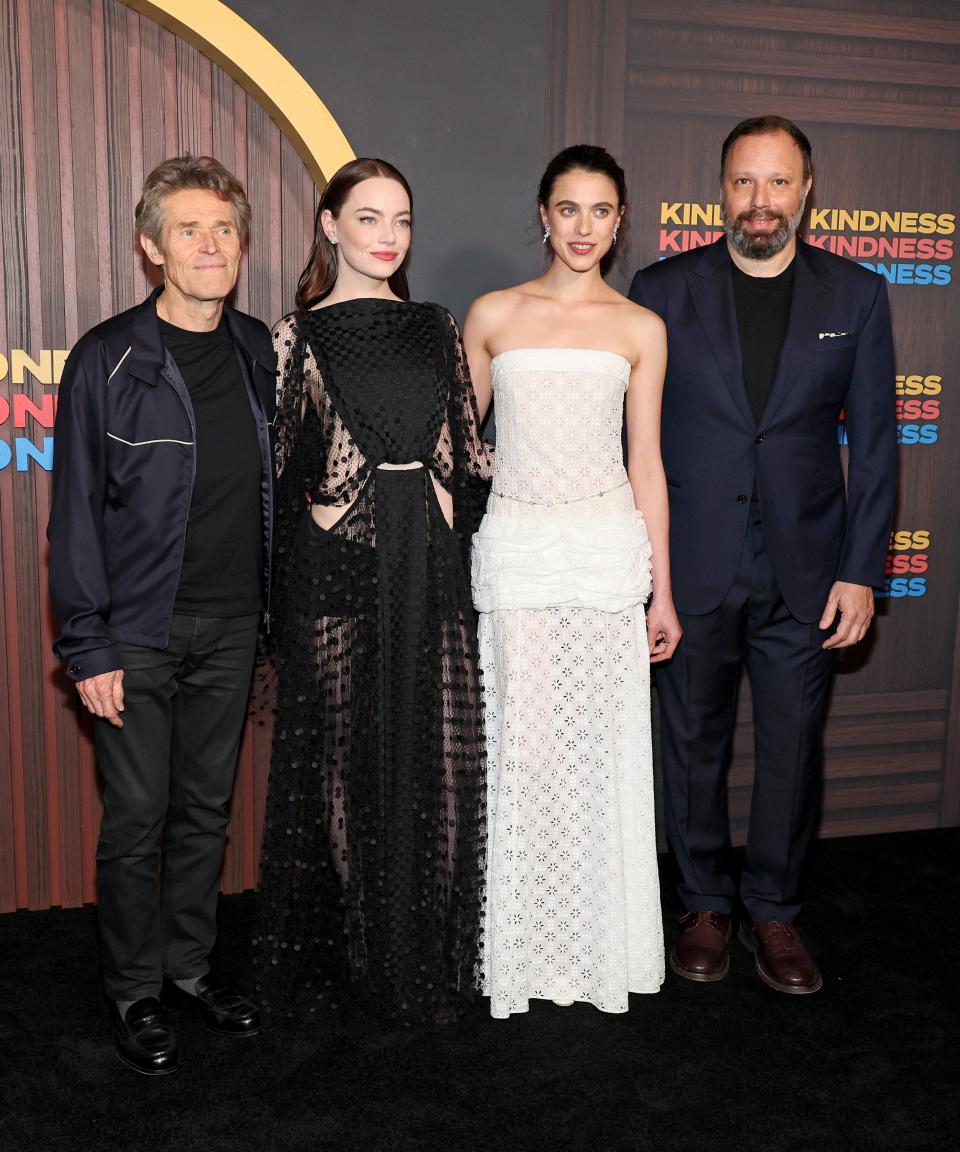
560,574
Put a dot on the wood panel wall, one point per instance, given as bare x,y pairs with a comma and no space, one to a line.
92,96
876,86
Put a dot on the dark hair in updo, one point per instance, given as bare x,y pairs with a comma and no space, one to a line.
582,158
588,158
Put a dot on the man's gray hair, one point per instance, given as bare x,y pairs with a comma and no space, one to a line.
184,172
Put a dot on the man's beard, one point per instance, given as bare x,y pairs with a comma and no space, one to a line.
761,245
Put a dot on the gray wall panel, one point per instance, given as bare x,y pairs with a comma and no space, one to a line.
452,93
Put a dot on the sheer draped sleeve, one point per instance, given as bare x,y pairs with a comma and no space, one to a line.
316,458
463,460
292,467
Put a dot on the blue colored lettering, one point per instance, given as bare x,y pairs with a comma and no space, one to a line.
912,273
916,434
23,451
900,586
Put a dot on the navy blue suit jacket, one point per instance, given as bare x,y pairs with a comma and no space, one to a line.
837,356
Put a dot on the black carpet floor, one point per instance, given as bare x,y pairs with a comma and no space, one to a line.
869,1063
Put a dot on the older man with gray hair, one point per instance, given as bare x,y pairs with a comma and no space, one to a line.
159,572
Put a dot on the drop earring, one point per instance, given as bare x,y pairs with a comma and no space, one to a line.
616,231
546,233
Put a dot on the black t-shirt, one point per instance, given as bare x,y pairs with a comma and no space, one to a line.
222,573
763,307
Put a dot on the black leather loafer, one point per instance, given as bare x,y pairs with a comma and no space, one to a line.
145,1040
223,1009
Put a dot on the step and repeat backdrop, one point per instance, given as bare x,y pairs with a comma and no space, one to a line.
876,87
93,93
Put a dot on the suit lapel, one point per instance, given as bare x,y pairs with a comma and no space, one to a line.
710,285
809,305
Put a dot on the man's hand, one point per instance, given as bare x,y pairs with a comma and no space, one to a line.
854,602
663,630
103,695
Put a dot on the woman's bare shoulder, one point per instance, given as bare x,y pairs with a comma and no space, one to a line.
502,301
491,312
645,323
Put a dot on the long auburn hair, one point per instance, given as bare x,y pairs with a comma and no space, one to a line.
320,274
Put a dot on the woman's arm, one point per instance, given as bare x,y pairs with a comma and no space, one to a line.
462,461
289,349
481,324
461,448
645,471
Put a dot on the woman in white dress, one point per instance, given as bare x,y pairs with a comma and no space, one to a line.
562,567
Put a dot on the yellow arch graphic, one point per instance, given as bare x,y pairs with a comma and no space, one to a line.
257,66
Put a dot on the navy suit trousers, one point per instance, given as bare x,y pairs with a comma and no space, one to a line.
789,676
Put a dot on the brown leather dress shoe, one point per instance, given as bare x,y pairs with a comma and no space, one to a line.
700,952
780,957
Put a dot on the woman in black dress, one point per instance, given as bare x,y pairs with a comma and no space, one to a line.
373,852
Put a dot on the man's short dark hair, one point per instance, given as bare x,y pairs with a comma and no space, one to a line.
760,126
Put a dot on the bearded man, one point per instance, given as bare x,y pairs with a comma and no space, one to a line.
773,557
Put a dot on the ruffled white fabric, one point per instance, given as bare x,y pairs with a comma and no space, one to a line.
519,564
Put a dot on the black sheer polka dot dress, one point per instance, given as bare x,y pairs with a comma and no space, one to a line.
373,852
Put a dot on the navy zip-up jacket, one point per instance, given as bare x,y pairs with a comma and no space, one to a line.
123,475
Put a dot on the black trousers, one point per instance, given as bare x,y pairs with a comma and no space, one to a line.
168,776
789,677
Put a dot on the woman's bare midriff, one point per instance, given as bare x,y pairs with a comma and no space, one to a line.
327,516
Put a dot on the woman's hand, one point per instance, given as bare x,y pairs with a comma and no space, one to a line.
663,629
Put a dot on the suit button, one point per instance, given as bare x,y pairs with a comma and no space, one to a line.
741,499
74,669
759,439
